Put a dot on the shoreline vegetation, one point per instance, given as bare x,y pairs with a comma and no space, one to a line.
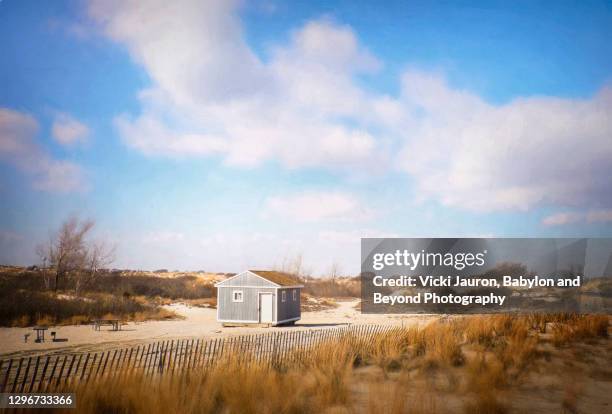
471,364
26,301
28,298
75,286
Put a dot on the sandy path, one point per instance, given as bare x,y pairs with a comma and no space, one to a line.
198,322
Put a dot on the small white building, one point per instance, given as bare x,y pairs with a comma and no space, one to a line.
259,297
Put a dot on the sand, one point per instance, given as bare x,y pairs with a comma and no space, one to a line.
198,323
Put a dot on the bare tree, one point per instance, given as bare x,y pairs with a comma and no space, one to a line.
295,267
99,255
70,253
42,253
334,270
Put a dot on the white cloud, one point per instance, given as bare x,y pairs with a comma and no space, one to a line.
599,216
18,147
559,219
469,154
591,216
216,97
68,131
315,206
344,237
164,237
303,106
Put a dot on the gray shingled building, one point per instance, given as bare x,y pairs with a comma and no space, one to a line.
258,297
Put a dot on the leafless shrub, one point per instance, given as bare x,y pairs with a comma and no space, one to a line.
69,252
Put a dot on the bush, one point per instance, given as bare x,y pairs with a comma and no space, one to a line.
333,288
183,287
23,308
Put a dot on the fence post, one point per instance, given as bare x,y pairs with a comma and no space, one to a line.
6,376
290,342
281,346
285,343
148,366
25,375
44,371
69,372
167,353
99,364
114,367
91,370
172,355
142,365
127,365
178,354
34,373
190,355
122,361
258,347
200,353
17,375
84,367
76,368
212,358
59,377
132,364
52,375
238,349
158,358
106,362
186,354
205,354
303,344
196,353
147,361
269,347
241,353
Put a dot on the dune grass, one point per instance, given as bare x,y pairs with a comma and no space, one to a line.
25,300
23,308
481,357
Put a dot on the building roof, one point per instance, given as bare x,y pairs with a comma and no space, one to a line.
280,278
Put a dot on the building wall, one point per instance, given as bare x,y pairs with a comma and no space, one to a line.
247,310
289,309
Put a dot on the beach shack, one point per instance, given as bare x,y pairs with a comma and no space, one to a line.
258,297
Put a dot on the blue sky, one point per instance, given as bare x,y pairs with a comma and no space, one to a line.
223,135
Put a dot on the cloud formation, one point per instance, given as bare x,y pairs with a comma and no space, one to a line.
532,151
216,97
591,216
316,206
19,147
303,106
68,131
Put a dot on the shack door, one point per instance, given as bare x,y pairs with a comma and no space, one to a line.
265,308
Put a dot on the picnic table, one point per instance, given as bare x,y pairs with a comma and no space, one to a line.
40,333
115,323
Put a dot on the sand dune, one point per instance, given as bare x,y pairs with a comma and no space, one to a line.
198,323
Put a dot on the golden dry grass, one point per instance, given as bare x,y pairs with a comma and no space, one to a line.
26,300
147,314
483,357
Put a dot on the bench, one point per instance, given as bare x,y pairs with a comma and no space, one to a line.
40,333
115,323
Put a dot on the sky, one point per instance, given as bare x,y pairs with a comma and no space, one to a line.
225,135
